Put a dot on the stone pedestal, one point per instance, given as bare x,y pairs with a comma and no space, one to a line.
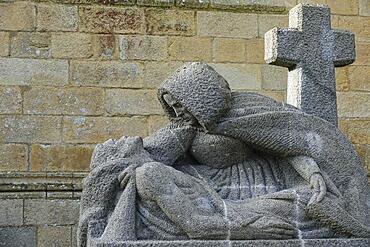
251,243
96,228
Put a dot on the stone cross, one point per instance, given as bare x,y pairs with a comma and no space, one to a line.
311,50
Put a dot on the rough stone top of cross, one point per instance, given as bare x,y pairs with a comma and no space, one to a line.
311,50
309,38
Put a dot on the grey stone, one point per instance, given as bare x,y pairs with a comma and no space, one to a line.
311,50
52,212
18,237
228,166
359,242
11,212
259,243
53,236
240,76
17,71
234,168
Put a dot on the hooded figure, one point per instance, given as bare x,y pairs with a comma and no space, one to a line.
227,174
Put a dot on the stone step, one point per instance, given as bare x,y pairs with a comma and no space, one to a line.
250,243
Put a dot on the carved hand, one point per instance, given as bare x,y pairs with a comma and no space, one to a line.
125,176
271,227
318,185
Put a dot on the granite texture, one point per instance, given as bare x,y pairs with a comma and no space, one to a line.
18,236
234,166
246,167
96,227
311,50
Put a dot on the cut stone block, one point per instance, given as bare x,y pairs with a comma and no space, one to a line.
311,50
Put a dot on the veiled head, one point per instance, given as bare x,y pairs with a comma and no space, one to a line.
200,90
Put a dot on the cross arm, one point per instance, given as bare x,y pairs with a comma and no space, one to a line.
282,47
344,48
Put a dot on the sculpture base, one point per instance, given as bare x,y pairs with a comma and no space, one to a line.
250,243
96,229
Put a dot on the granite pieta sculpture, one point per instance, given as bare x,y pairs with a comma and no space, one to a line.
228,166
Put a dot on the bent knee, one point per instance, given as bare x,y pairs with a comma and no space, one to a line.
149,179
149,171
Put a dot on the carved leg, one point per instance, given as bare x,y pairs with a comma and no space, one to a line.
186,200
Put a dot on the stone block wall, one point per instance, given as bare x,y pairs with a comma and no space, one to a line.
75,73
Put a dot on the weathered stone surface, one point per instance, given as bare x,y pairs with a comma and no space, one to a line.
11,212
362,53
69,101
59,212
23,195
78,180
224,24
364,6
358,131
97,2
359,78
111,20
28,184
251,243
10,100
312,1
275,3
30,129
240,76
343,7
59,181
59,195
341,76
193,3
34,45
353,104
16,71
105,46
60,157
132,102
274,78
226,4
56,17
4,44
156,2
267,22
363,150
54,236
13,157
301,49
99,129
156,122
106,74
71,45
155,170
18,236
170,22
156,72
357,24
143,47
17,16
74,236
279,96
254,51
190,48
229,50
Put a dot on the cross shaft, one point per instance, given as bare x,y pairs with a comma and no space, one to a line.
310,49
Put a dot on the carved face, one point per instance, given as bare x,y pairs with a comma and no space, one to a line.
179,110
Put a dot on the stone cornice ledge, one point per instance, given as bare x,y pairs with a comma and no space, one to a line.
235,5
41,184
